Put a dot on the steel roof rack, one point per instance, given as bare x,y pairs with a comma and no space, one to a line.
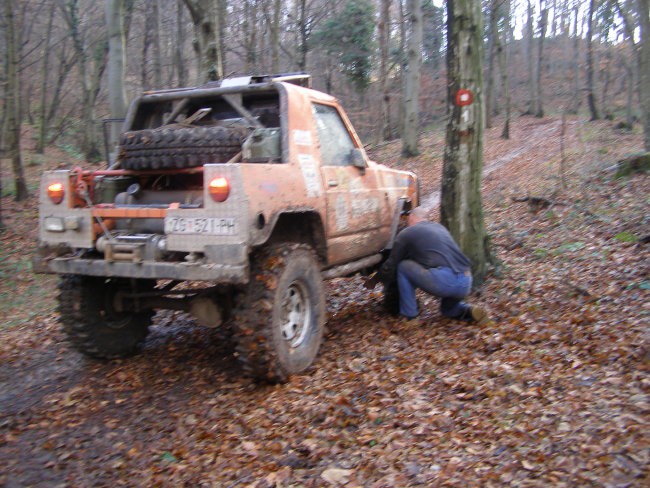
301,79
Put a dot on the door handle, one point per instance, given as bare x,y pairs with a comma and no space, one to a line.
332,183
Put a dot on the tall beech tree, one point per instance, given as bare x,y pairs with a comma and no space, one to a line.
208,43
644,81
91,54
591,89
575,66
383,33
533,92
12,99
274,27
433,39
180,66
116,63
539,97
502,54
626,11
492,43
412,79
498,16
151,76
461,205
45,63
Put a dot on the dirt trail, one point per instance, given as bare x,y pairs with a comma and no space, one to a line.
530,144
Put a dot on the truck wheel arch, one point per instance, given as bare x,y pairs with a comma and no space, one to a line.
300,225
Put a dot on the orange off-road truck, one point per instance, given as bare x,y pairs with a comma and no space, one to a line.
232,201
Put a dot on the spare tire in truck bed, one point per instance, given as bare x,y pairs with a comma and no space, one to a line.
179,146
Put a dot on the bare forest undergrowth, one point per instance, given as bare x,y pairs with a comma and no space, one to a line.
554,393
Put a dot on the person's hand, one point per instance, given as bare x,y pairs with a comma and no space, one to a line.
370,282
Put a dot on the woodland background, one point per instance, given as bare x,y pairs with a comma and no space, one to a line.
558,56
554,392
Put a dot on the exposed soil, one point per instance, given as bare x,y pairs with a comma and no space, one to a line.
555,392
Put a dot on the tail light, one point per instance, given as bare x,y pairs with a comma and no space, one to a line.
56,192
219,189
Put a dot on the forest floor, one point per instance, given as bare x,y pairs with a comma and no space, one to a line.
555,392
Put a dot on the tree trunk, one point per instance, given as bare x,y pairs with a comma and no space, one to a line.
493,33
222,22
87,83
461,207
502,52
275,36
591,96
302,33
65,65
99,61
250,28
532,76
206,18
153,20
3,119
45,69
179,51
412,82
403,61
384,41
644,72
116,63
13,102
606,78
3,227
629,95
574,64
543,20
147,41
631,66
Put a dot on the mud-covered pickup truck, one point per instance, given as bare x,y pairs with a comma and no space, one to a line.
232,201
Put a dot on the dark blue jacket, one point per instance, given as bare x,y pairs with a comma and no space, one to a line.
427,243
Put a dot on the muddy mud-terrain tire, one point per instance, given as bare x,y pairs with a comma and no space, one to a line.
90,321
279,317
177,146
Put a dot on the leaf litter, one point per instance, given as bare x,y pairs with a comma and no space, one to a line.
554,392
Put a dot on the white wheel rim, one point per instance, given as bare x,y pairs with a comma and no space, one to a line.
296,313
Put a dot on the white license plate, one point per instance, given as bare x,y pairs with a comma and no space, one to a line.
211,226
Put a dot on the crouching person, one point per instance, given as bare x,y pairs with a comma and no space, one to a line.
425,256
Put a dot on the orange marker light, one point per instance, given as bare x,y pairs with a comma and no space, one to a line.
219,189
56,192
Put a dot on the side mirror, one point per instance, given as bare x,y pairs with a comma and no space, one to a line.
357,159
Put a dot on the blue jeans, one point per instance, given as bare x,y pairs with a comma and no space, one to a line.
451,287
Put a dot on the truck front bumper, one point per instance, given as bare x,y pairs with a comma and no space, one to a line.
222,273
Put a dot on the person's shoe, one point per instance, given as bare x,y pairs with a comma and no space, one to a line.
474,315
479,315
410,321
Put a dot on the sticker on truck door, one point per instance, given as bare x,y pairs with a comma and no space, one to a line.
341,212
301,137
310,174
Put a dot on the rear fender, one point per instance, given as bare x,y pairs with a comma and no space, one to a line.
304,226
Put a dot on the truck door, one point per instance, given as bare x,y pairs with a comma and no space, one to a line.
355,205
